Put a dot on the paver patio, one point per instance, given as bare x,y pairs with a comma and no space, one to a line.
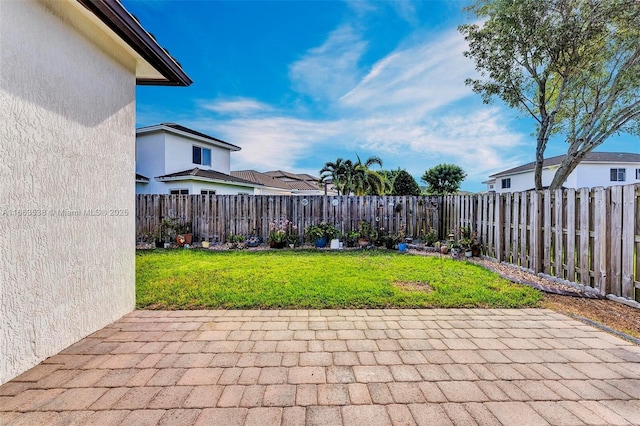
331,367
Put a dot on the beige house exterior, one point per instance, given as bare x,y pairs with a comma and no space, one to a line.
68,73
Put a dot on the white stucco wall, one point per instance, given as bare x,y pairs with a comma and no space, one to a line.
593,174
179,155
150,162
66,144
586,175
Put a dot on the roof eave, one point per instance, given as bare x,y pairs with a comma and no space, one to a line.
161,127
206,179
122,23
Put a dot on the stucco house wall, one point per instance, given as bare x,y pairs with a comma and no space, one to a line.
67,221
591,175
179,155
524,181
592,172
195,186
150,148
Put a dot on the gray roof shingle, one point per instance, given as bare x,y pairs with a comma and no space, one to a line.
208,174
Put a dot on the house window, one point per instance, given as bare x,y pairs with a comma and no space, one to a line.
201,156
491,186
179,192
207,192
637,173
243,193
506,183
618,175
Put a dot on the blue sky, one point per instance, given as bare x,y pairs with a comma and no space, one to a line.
298,83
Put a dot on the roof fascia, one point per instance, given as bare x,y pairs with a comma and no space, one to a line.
206,179
162,128
122,23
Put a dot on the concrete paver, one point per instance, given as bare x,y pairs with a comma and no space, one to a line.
332,367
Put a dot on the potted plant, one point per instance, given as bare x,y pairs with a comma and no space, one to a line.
253,240
282,233
443,248
155,236
316,234
183,234
430,238
167,231
468,241
236,241
352,238
365,233
321,234
331,233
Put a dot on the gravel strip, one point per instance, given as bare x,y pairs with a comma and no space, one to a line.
522,276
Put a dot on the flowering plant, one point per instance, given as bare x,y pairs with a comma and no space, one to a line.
314,232
283,231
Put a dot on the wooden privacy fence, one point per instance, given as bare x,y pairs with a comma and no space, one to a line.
215,217
588,236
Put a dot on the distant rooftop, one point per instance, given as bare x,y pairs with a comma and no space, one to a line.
280,179
207,174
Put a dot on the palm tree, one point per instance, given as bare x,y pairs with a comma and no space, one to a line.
366,181
349,177
338,173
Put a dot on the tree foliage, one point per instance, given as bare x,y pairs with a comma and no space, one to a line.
443,179
405,184
357,178
573,65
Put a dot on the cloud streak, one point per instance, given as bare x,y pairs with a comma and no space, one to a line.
422,77
329,71
239,106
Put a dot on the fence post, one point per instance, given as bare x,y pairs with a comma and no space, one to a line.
615,247
600,255
536,232
628,240
570,251
499,228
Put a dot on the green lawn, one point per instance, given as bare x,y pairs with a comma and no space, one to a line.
195,279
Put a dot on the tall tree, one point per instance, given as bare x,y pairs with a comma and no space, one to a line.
338,173
573,65
366,181
443,179
357,178
405,184
389,177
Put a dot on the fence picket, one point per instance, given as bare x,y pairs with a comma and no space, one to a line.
615,247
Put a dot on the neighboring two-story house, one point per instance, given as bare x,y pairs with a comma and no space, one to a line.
597,169
173,159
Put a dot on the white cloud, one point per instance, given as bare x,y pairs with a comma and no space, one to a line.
329,71
422,77
406,9
268,143
238,106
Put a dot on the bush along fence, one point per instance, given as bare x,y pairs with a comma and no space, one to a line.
587,236
215,218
